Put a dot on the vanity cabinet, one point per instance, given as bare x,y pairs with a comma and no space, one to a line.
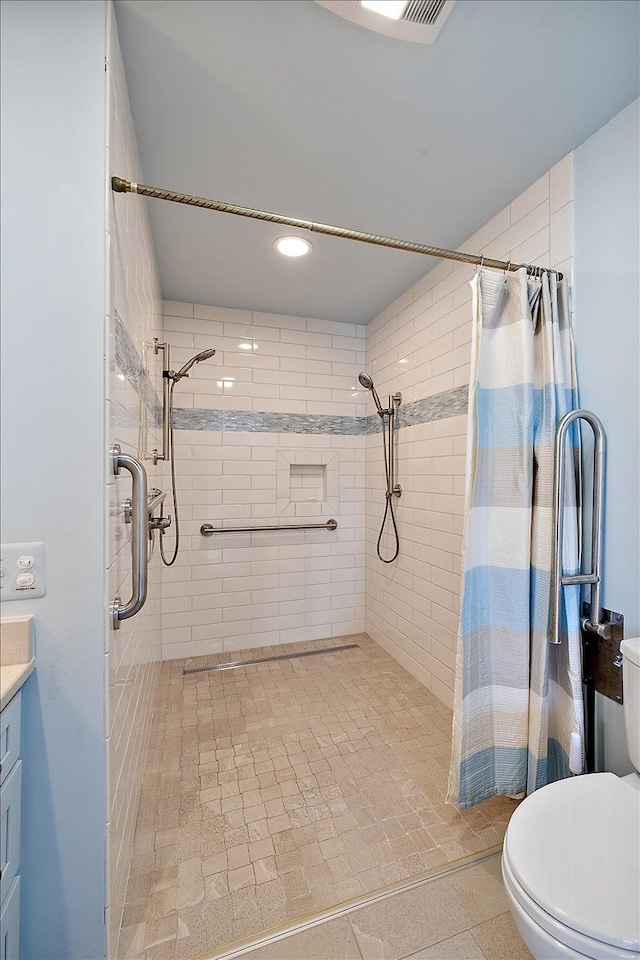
10,796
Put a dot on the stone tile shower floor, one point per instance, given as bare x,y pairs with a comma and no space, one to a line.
278,790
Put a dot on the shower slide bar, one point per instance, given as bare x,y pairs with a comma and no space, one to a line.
594,622
118,185
207,530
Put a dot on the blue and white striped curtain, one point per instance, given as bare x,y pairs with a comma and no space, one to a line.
518,699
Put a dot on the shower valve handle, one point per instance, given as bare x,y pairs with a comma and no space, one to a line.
159,523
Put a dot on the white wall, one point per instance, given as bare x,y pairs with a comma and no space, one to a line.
420,345
241,590
607,307
53,329
134,386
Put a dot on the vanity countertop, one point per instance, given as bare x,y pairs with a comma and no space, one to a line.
11,679
16,655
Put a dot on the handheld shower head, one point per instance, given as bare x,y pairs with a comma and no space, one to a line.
367,383
169,380
184,371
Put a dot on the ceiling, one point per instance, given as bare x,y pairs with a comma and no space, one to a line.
281,105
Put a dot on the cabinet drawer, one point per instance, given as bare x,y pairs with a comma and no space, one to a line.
9,736
10,924
10,793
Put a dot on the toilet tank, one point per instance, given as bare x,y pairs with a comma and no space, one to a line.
630,650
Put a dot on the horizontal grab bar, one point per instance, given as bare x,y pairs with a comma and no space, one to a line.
579,579
156,497
207,530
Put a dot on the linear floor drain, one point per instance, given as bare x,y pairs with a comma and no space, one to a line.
235,664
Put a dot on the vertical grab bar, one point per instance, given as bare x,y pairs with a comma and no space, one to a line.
139,526
594,578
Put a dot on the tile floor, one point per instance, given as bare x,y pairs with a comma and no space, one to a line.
460,916
278,790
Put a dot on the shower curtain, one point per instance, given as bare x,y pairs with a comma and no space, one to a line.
518,698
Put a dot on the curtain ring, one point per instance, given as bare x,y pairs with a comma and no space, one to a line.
507,269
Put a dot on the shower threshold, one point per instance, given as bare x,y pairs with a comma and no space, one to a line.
247,946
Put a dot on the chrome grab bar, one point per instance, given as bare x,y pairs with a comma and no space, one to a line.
207,530
155,498
139,521
592,623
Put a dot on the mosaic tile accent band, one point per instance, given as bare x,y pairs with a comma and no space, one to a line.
450,403
238,421
133,369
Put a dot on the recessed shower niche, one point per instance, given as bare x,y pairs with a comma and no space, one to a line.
307,482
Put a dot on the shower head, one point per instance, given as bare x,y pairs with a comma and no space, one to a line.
367,383
184,371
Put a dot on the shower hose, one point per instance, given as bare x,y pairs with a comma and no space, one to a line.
176,546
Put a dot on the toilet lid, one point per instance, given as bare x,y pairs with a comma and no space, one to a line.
574,847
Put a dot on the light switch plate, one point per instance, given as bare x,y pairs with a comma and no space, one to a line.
22,571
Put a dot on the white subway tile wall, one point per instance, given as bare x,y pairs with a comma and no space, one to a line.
133,652
235,591
420,345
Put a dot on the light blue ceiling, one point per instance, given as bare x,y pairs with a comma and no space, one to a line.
281,105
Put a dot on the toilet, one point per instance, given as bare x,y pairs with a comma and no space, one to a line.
571,855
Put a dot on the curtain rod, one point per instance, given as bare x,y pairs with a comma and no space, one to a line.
125,186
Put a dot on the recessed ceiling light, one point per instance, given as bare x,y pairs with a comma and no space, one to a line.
292,246
388,8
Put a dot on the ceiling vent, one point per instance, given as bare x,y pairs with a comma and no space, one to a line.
420,21
423,11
